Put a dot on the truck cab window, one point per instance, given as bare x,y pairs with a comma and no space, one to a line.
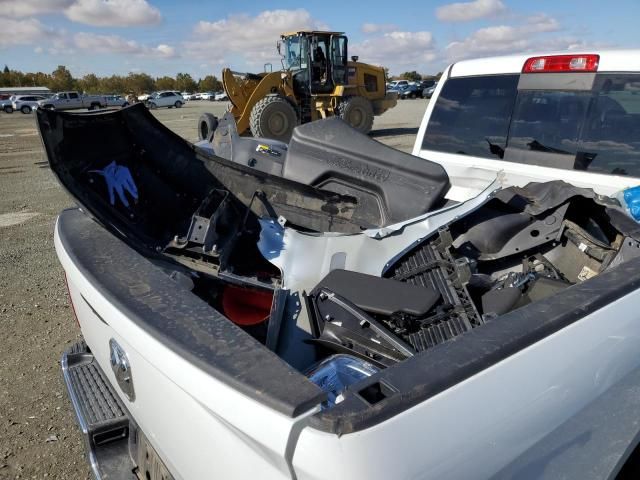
471,116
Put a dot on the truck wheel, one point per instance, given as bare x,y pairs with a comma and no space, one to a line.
8,109
25,109
207,123
273,117
178,104
357,112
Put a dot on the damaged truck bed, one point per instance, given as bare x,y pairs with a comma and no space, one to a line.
293,320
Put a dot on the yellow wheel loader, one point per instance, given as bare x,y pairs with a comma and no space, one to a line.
317,81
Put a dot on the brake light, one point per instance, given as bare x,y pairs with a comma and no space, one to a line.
562,63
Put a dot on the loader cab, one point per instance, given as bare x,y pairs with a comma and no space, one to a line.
316,60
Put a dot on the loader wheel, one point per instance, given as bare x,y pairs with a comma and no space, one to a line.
273,117
207,124
357,112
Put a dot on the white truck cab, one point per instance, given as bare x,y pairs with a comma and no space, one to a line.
537,117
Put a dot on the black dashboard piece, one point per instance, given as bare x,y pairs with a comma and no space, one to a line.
339,325
390,185
380,295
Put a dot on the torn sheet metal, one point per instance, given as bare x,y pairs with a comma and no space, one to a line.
304,258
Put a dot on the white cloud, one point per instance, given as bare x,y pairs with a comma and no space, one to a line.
467,11
252,38
27,8
100,13
396,50
26,32
113,13
541,23
378,27
118,45
504,39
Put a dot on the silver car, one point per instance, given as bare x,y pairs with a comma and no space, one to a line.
26,103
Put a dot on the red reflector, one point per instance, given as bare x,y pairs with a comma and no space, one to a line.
562,63
246,307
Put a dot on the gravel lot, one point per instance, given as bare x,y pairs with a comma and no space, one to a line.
38,434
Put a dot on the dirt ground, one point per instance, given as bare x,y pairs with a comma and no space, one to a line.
38,433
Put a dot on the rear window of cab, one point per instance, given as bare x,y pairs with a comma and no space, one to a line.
487,116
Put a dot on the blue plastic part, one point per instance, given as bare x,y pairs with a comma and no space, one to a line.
631,197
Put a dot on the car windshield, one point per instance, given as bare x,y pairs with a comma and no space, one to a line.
294,54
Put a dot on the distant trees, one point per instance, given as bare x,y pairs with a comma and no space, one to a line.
412,76
165,83
90,83
185,83
140,82
209,84
61,79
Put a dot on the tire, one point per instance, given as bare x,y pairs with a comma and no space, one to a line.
273,117
413,95
152,106
8,109
357,112
178,104
207,124
25,109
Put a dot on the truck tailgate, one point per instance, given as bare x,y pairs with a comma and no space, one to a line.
204,389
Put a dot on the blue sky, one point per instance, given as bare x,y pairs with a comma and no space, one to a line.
162,37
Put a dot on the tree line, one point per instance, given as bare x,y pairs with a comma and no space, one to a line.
61,79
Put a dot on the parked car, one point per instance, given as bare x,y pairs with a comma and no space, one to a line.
466,312
399,83
221,96
72,101
7,104
26,103
208,96
165,99
186,96
428,92
410,91
144,97
116,101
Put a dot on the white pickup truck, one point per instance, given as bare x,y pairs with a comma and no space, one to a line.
333,308
73,101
